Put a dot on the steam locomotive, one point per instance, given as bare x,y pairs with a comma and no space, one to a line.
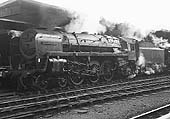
38,58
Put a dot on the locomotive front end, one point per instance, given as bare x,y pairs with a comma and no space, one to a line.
39,42
37,64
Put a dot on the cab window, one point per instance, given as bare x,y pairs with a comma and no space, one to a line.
132,47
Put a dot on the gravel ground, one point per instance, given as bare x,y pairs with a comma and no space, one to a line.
122,109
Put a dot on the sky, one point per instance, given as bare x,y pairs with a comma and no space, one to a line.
144,15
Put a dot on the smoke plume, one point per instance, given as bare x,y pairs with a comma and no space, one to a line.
120,29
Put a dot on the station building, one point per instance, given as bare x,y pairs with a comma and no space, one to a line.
30,13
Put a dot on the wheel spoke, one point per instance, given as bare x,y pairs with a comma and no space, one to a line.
40,82
107,70
62,82
26,81
22,82
76,80
95,70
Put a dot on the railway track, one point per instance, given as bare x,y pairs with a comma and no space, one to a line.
7,95
33,105
154,114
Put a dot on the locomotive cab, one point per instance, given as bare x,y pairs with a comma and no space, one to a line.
131,46
133,53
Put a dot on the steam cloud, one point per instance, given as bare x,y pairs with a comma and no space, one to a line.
80,22
120,29
157,41
84,23
141,60
75,24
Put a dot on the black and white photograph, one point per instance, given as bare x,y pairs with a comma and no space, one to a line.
84,59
